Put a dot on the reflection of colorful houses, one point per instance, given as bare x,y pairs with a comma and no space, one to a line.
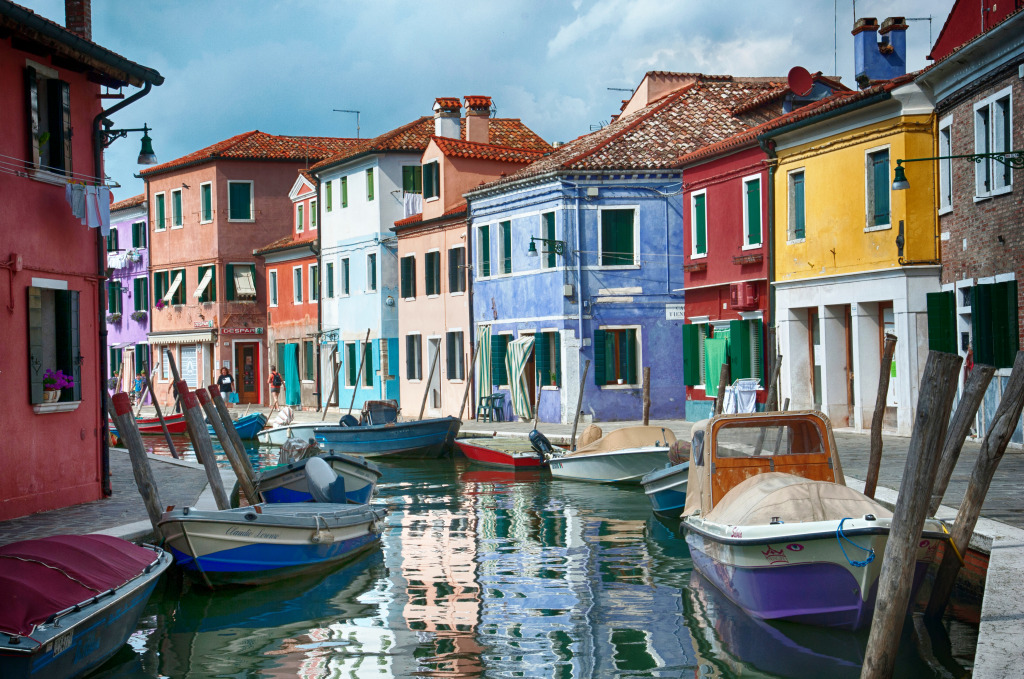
293,296
433,245
853,259
128,300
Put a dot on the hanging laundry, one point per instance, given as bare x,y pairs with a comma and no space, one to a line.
103,198
74,194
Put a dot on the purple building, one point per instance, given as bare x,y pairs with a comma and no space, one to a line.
128,298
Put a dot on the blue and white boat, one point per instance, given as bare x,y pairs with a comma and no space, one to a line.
287,482
666,489
247,426
421,438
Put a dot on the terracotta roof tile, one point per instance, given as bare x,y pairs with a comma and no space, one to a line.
281,244
134,201
469,149
417,219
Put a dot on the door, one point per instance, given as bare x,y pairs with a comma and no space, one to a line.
817,355
434,397
189,366
290,372
247,371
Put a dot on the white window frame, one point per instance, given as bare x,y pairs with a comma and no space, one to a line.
693,225
946,166
639,355
462,273
313,269
791,238
272,287
750,179
328,275
511,334
297,289
300,218
479,241
371,285
462,357
312,215
252,200
544,252
419,357
159,224
636,237
869,178
440,278
201,220
501,250
990,166
181,217
344,267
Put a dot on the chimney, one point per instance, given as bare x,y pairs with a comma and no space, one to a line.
78,17
478,115
879,53
447,115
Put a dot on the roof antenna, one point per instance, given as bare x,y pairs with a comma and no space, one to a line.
346,110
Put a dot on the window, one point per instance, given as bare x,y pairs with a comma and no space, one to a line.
314,283
205,202
49,102
329,279
485,251
139,234
457,270
412,179
992,134
432,272
367,364
699,224
329,195
272,286
297,284
431,180
353,365
116,361
207,289
161,283
345,281
548,354
547,221
308,362
752,212
371,272
159,211
112,241
113,297
408,276
177,219
617,239
141,295
994,323
505,246
175,292
616,356
344,191
878,185
312,215
53,340
499,348
240,208
454,358
946,166
369,184
241,282
796,206
300,223
413,357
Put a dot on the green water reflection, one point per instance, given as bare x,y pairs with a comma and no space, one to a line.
486,573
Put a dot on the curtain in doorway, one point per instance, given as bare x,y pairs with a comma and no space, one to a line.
483,356
515,362
716,352
290,373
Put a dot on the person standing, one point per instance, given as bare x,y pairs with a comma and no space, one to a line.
276,382
227,387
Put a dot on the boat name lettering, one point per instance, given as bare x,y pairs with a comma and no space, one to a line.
252,533
924,543
775,556
62,643
795,547
736,533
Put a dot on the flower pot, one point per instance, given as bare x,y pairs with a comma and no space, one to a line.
51,395
620,381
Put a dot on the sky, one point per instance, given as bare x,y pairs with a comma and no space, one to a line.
231,66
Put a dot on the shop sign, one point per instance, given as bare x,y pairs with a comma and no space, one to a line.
241,331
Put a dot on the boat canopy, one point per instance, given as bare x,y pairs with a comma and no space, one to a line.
628,437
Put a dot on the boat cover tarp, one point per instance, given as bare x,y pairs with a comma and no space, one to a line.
515,363
41,577
484,362
629,437
793,499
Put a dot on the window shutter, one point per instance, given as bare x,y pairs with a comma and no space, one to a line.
880,181
556,338
506,247
942,321
369,184
485,251
35,344
32,97
631,340
549,233
700,226
498,372
308,359
240,200
368,363
229,274
329,195
754,212
408,358
74,340
739,350
981,324
1004,323
599,358
405,278
798,206
59,93
453,270
691,354
344,191
449,356
542,358
757,350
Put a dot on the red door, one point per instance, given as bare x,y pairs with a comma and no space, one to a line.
247,371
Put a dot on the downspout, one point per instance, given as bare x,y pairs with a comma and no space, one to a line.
471,373
579,293
101,297
768,146
320,306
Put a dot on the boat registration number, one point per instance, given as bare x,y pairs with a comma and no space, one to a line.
62,643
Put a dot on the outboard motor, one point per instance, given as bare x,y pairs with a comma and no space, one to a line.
540,443
325,485
348,420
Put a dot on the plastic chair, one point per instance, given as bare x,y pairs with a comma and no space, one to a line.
498,407
483,410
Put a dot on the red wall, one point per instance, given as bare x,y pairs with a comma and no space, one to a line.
964,23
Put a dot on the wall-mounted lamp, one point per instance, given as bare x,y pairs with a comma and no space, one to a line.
1014,159
146,155
557,245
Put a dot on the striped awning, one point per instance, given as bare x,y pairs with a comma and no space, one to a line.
484,386
515,363
181,337
175,284
204,283
245,286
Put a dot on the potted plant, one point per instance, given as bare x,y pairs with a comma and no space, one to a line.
553,378
114,317
53,382
160,304
139,315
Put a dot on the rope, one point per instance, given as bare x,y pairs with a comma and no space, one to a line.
840,536
953,544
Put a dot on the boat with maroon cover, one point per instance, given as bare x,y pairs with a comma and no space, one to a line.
69,602
151,425
504,452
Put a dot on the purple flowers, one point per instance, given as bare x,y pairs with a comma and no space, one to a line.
160,304
57,380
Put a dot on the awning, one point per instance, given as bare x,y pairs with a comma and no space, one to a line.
245,286
484,355
175,284
203,284
181,337
515,363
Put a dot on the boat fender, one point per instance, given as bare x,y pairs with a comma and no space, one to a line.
322,536
540,443
250,516
870,517
348,421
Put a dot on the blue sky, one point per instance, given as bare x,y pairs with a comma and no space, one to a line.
281,67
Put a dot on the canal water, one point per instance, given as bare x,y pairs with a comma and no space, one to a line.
484,573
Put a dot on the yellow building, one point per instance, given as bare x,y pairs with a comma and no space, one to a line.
853,259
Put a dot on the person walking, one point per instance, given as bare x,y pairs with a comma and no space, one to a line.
276,382
227,387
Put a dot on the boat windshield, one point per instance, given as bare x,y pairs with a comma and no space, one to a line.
750,439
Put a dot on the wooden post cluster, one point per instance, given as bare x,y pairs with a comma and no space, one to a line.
359,372
334,385
430,378
647,395
201,442
120,411
875,459
938,388
723,382
579,405
234,455
159,413
469,380
222,409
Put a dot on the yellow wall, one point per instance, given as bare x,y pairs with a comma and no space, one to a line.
835,177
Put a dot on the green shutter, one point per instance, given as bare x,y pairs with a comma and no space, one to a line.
485,251
754,212
942,321
880,184
499,374
344,191
616,237
141,294
373,272
368,363
542,358
35,344
59,107
506,247
449,356
691,354
610,369
599,362
369,184
229,274
412,179
307,350
631,340
798,206
161,212
71,362
549,233
240,200
329,195
981,324
206,196
405,277
556,338
700,227
176,211
757,350
1004,323
739,350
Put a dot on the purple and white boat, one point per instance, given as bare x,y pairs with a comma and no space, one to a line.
771,523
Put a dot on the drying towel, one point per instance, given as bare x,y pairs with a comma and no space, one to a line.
75,195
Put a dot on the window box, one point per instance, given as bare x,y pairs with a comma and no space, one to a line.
57,407
748,259
695,267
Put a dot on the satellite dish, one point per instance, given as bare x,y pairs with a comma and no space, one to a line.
800,81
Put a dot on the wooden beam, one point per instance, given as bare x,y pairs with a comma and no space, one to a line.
120,411
875,458
579,405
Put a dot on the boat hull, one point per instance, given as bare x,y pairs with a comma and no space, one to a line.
501,453
418,439
287,483
276,436
666,489
621,466
245,547
151,425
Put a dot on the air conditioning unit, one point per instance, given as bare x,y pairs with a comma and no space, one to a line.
743,296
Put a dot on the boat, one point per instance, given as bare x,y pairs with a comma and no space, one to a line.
151,425
70,602
666,489
268,542
287,482
621,456
501,452
275,436
771,523
247,426
419,438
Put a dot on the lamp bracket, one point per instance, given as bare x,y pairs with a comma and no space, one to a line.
1014,159
557,245
110,135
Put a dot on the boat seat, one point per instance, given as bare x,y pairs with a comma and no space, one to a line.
324,483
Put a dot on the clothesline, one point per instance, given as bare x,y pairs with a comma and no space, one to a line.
91,204
15,165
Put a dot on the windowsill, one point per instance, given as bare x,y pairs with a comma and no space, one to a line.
272,306
57,407
878,227
370,292
456,294
431,199
177,226
620,386
296,301
752,246
550,388
47,177
796,241
416,381
240,221
408,299
455,382
206,221
700,255
433,296
621,267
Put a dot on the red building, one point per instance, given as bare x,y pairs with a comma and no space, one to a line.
54,451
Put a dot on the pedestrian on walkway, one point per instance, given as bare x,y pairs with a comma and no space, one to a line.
276,382
227,389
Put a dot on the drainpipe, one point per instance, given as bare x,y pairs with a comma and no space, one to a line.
468,272
768,146
101,297
320,305
579,281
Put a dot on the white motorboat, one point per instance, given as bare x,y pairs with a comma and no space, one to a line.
276,436
621,456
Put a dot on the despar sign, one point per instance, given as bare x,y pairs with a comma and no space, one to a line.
241,331
675,312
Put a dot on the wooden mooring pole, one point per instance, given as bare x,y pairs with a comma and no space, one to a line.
201,442
469,380
938,388
430,378
218,401
579,405
120,411
233,455
160,414
992,448
647,395
723,382
875,459
359,373
334,384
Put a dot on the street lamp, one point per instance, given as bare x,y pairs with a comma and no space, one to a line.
1014,159
557,245
146,155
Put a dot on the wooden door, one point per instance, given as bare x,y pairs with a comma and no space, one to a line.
247,371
